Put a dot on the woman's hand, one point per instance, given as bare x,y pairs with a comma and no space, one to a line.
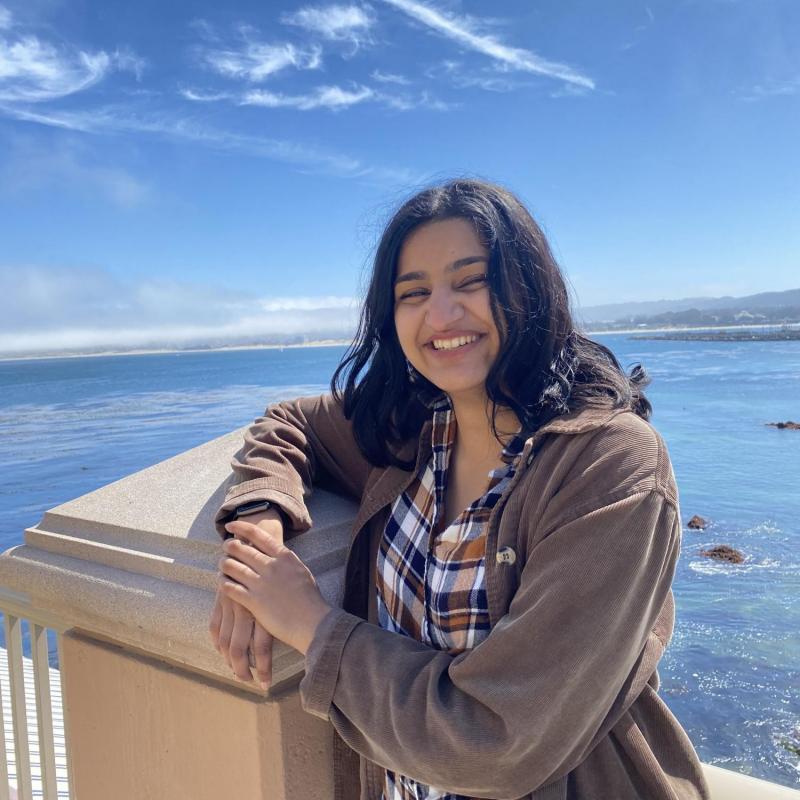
233,629
235,635
271,582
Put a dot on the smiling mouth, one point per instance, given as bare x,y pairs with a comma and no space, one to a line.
454,343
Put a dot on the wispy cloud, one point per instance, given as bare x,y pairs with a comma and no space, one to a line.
126,60
409,102
49,308
350,23
389,77
204,97
115,119
33,70
463,77
464,31
256,61
776,88
333,97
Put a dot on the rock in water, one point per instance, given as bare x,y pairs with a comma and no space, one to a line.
697,523
723,552
791,426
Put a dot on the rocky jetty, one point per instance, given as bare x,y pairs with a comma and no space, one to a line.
724,552
792,426
791,335
697,523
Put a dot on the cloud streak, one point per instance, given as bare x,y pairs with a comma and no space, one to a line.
34,71
389,77
334,23
257,61
58,310
463,31
785,88
332,97
114,119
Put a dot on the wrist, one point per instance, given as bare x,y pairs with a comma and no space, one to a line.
271,520
309,629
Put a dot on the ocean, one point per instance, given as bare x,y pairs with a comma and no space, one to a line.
731,674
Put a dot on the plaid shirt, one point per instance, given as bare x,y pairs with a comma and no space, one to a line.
431,580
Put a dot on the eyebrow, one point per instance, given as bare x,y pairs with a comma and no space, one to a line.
453,267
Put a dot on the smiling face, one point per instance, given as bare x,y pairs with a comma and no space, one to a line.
442,310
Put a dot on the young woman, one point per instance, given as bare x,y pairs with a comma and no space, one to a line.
507,592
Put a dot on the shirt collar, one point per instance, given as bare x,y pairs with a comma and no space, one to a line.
442,438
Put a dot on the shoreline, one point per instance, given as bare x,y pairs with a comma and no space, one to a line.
167,351
347,342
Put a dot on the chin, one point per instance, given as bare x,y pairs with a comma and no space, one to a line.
459,388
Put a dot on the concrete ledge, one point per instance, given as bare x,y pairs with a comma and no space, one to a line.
726,784
135,562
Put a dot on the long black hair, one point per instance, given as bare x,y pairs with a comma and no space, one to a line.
546,367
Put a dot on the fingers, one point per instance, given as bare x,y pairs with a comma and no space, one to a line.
246,553
216,619
240,642
259,538
234,569
261,648
226,626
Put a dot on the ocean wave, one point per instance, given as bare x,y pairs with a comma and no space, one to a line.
709,566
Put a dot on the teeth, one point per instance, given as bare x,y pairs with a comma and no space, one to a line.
451,344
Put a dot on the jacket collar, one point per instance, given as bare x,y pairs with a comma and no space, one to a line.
585,419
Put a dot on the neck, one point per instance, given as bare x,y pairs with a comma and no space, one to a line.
475,437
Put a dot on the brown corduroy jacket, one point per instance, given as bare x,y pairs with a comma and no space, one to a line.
560,701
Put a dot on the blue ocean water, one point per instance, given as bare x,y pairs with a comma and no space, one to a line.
732,672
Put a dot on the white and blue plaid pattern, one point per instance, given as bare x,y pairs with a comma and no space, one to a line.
430,579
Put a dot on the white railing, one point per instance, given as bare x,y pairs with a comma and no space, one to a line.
34,759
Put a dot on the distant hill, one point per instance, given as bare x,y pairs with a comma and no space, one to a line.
764,308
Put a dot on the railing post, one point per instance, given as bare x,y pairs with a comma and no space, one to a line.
13,631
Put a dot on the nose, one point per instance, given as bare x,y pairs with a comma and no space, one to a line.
444,309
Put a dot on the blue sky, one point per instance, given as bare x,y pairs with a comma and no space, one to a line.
206,171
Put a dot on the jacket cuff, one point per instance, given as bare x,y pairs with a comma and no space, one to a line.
323,657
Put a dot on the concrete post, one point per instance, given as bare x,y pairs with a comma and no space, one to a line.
152,710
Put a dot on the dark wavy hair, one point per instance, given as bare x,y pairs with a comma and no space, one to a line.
546,367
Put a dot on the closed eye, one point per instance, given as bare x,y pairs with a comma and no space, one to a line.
412,294
474,281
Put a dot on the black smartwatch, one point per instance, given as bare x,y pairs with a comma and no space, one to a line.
255,507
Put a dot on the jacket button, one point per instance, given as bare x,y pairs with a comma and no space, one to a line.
506,555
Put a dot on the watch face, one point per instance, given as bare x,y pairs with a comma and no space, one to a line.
253,508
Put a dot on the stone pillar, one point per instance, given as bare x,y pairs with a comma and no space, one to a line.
152,710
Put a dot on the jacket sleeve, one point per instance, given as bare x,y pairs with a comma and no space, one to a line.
293,445
523,707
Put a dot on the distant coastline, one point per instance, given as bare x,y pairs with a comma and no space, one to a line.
639,333
165,350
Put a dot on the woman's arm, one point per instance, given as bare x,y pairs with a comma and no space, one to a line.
525,706
293,445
